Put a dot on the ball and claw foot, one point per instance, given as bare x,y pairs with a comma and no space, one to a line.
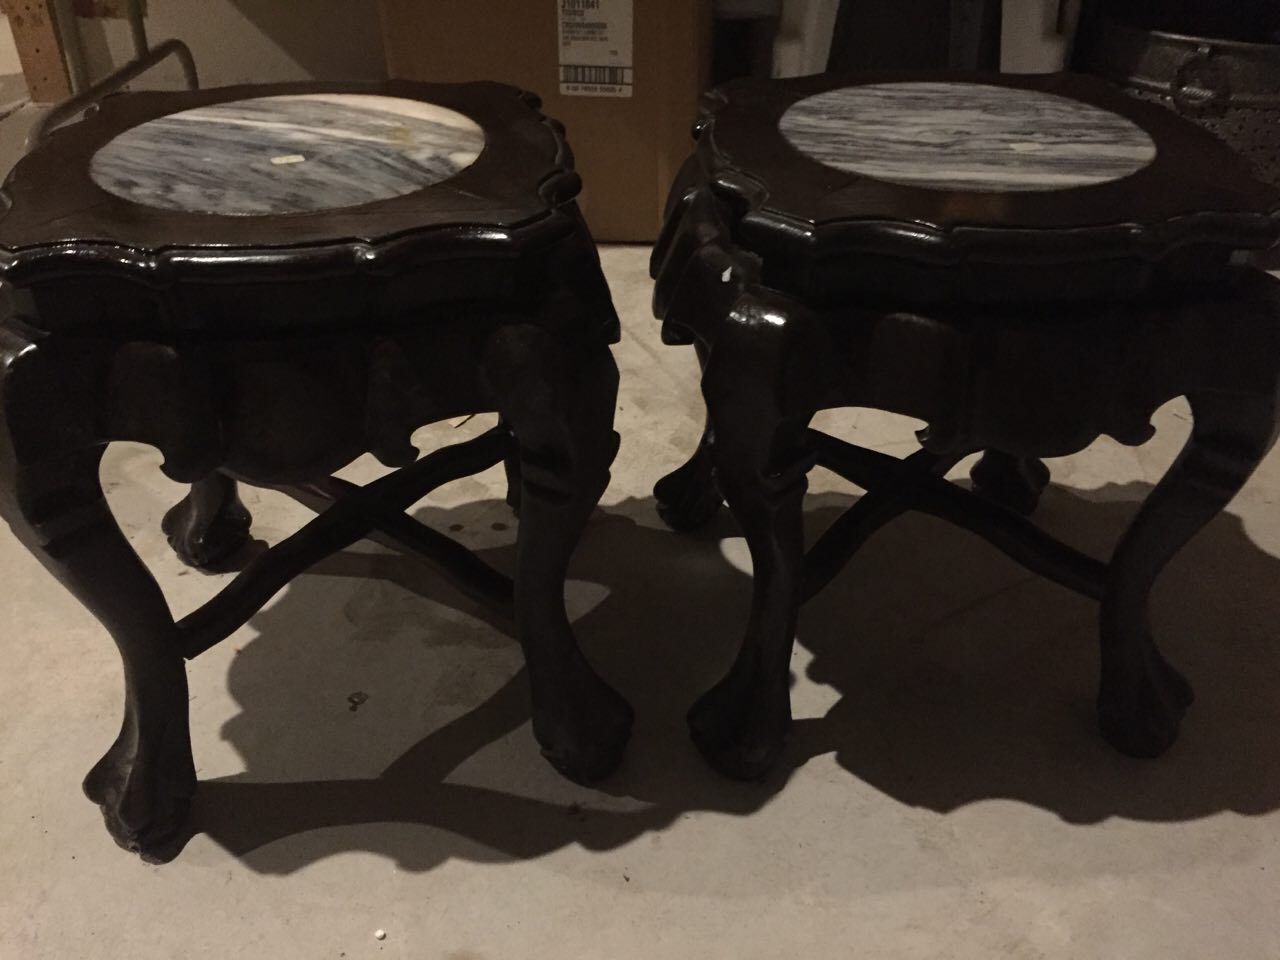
208,526
688,498
1012,482
1140,718
584,728
740,725
146,810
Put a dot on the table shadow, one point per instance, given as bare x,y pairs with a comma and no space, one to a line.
957,677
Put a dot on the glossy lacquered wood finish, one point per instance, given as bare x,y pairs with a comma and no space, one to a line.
1040,378
274,350
490,234
827,234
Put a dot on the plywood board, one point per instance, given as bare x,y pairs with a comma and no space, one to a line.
35,32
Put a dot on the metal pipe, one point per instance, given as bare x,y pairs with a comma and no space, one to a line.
64,21
68,109
138,28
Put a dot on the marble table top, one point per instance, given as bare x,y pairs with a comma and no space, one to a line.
287,154
966,136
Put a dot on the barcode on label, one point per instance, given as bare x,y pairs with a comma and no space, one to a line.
601,76
596,47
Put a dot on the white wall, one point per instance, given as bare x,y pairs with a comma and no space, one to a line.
1032,43
1031,40
804,37
8,52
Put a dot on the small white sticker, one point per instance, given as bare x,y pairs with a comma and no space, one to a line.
288,158
596,48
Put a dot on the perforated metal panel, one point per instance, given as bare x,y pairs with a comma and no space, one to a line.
1228,87
1253,132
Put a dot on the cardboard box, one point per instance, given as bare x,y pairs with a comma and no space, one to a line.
629,124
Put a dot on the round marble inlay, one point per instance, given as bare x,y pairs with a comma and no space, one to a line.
967,136
289,154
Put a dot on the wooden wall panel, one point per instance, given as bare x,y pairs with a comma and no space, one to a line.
35,33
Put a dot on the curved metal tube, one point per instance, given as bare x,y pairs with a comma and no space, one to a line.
68,109
138,28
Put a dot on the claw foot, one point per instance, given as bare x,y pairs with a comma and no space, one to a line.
740,725
582,725
145,802
688,497
1140,715
209,525
1011,482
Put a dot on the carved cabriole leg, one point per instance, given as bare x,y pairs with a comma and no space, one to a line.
560,407
1141,699
1012,482
53,502
511,467
740,724
209,525
688,497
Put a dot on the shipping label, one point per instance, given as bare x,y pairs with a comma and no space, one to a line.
596,48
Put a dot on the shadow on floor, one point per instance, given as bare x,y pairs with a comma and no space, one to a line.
956,676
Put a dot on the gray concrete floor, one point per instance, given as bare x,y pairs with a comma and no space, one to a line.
944,794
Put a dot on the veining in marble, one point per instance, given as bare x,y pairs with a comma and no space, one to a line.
288,154
966,136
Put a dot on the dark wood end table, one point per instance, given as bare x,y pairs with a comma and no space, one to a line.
265,283
1024,264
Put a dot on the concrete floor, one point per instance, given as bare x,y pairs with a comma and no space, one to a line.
944,794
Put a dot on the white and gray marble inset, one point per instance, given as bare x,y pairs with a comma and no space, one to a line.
289,154
967,136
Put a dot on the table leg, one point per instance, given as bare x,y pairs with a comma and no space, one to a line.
1141,698
560,409
688,497
511,467
740,724
53,501
1012,482
209,525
